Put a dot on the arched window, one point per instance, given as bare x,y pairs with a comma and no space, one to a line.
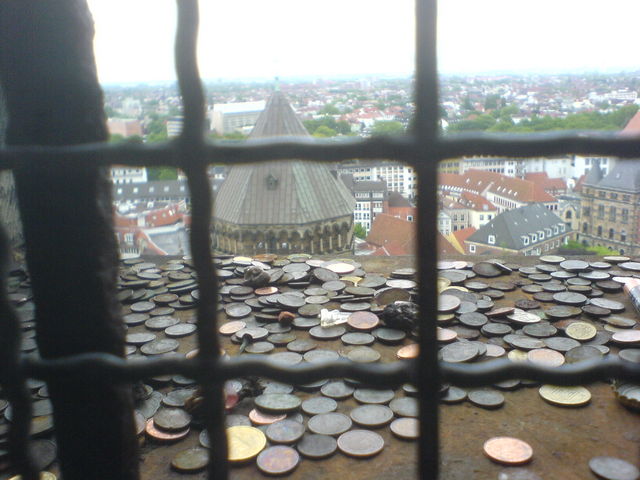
568,215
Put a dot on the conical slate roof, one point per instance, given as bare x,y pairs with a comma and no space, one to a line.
281,192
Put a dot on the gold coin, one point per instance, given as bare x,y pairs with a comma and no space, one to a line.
455,287
565,396
245,443
443,283
43,476
581,331
354,280
517,355
445,317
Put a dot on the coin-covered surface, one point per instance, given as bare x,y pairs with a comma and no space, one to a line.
514,316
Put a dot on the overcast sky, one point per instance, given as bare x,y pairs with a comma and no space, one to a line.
264,38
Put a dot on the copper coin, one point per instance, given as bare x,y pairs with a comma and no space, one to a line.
363,321
360,443
278,460
408,351
545,357
163,436
406,428
285,431
260,418
611,468
627,337
191,460
329,423
317,446
508,450
230,328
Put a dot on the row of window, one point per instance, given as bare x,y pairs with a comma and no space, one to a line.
613,212
612,195
610,234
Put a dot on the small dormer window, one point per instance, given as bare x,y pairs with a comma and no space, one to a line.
272,182
525,240
491,239
534,237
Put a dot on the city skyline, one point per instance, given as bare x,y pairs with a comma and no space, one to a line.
367,37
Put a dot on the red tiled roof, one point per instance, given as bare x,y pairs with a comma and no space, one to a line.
633,127
542,179
579,183
463,234
388,230
476,202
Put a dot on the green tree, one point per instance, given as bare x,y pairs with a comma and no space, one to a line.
329,109
491,102
323,131
359,231
387,127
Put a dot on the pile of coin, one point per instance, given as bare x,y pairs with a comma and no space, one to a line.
553,313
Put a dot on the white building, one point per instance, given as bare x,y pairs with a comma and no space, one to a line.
580,165
399,177
124,174
230,117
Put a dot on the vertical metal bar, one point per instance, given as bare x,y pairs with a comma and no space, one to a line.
426,120
191,145
426,127
428,368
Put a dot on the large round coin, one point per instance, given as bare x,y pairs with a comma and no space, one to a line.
191,460
244,443
373,396
277,402
611,468
317,446
360,443
580,331
329,424
278,460
508,450
318,405
337,390
285,431
565,396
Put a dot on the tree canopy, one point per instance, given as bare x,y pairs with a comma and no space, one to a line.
387,127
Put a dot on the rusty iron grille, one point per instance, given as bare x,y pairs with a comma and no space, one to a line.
422,148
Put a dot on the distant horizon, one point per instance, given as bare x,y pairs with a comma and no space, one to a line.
382,76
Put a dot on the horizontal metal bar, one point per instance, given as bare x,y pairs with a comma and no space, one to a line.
405,148
394,373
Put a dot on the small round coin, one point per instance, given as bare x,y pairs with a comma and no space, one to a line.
371,416
244,443
406,428
565,396
611,468
191,460
508,450
329,424
360,443
278,460
317,446
581,331
285,431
